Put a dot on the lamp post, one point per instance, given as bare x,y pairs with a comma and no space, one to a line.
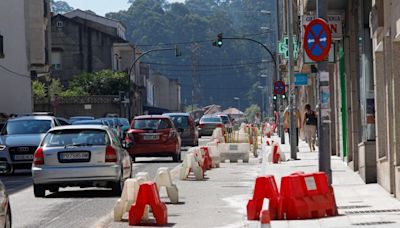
266,92
238,100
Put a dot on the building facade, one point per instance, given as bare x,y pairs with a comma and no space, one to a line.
24,51
83,42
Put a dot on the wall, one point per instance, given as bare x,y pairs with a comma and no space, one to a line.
15,88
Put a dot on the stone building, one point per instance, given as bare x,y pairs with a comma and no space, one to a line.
83,42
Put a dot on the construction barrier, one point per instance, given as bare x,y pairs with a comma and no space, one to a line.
163,179
128,197
265,188
307,196
234,151
191,164
207,161
275,155
214,154
218,135
148,195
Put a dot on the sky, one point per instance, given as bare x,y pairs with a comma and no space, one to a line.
101,7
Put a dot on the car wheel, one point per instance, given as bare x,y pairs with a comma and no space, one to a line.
177,156
54,189
118,186
39,190
8,221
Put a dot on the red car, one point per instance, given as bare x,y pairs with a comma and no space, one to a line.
153,136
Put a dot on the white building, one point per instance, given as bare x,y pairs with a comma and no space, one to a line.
24,46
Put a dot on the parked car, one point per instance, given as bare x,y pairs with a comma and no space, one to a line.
226,120
5,209
19,139
80,155
63,121
78,118
208,123
91,122
189,132
124,123
154,136
114,125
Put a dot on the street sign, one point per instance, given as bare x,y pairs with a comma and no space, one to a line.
279,87
283,47
317,40
334,22
300,79
331,57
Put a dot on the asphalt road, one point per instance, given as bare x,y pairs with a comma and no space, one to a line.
71,207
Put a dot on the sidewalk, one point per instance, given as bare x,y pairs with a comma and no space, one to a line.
359,204
221,199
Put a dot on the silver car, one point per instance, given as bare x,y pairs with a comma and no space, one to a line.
19,139
80,155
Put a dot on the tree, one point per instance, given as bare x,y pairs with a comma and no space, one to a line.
55,88
251,112
38,89
105,82
60,7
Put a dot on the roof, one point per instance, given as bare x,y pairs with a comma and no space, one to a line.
233,111
73,127
32,118
176,114
151,117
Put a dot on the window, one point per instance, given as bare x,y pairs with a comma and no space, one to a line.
56,60
1,47
60,24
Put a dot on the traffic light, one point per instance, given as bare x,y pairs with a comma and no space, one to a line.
275,97
218,42
284,96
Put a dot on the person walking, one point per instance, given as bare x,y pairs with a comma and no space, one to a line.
310,126
298,123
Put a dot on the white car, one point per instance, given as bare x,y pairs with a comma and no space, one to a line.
80,155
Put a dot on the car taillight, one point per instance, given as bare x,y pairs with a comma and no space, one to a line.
221,125
201,125
111,154
38,157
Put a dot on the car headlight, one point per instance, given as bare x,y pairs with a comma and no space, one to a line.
2,147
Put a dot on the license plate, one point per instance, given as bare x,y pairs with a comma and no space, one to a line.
151,137
74,156
23,157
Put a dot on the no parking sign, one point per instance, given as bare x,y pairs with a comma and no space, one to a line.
317,40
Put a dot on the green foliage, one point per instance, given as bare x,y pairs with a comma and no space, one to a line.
251,112
55,88
60,7
152,22
105,82
74,92
38,89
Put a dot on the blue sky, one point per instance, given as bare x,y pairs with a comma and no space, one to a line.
102,7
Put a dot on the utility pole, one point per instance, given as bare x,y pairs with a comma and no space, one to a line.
323,120
277,75
195,77
292,95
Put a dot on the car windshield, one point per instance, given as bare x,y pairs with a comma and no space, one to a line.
123,121
180,121
225,119
211,120
73,119
19,127
76,137
151,124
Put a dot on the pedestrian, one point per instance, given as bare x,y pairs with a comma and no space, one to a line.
310,126
257,120
286,123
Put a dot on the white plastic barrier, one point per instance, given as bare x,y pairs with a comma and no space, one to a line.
197,153
243,136
144,175
215,156
128,197
217,135
234,151
191,164
282,156
163,179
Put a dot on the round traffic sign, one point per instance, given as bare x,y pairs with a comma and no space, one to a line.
317,40
279,87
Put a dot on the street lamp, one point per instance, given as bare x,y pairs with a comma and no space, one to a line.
238,100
